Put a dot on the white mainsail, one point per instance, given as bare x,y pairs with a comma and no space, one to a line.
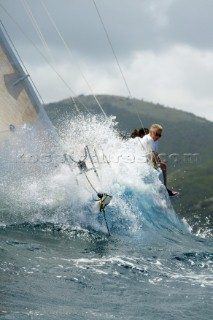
29,143
19,103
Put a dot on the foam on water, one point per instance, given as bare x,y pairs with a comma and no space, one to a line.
46,186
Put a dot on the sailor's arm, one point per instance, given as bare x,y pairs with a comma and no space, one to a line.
155,159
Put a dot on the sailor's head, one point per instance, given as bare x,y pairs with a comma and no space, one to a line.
155,131
141,132
134,133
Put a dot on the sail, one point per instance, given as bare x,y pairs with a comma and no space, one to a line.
19,104
29,145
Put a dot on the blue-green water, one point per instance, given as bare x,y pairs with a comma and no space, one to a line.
56,258
53,272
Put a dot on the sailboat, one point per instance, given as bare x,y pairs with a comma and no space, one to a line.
28,140
34,188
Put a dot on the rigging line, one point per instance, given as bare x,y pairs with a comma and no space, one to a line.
36,27
115,56
90,183
40,52
69,51
42,38
113,51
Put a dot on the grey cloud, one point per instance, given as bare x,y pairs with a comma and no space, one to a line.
132,25
190,22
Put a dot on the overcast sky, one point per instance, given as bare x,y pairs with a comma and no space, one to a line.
164,49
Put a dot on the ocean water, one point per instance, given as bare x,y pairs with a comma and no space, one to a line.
58,260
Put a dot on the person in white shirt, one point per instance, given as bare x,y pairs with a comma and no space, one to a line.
150,144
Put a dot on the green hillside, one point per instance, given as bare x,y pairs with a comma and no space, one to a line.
196,196
183,132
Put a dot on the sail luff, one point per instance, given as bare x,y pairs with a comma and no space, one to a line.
19,104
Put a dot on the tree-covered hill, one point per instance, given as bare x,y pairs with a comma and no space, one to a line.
195,184
184,133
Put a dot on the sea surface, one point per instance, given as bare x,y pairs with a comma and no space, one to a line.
57,259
